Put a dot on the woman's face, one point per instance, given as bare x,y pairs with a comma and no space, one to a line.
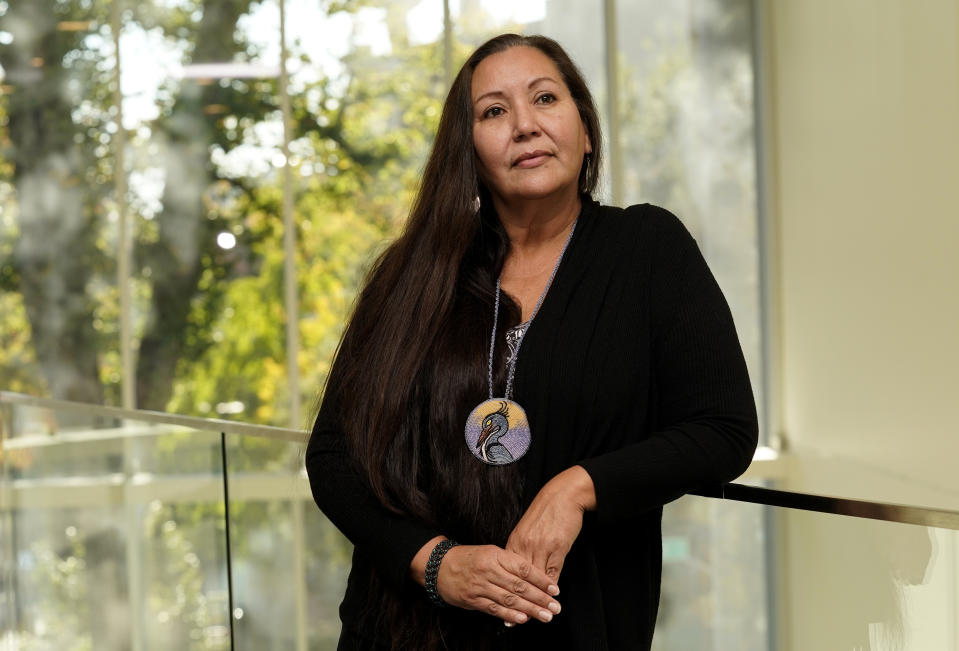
528,136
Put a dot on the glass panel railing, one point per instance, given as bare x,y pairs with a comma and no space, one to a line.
113,533
289,563
858,583
820,581
714,586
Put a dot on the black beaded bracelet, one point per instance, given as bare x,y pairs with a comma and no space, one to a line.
433,570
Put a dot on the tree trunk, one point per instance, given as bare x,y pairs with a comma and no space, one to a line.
55,254
186,235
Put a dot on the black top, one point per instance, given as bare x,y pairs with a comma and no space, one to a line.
631,369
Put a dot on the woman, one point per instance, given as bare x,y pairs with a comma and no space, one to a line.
529,374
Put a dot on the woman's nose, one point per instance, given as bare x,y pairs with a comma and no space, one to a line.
524,123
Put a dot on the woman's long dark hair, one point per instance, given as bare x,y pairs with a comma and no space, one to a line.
413,361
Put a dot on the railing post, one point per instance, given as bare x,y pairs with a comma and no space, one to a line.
7,574
615,149
299,573
226,531
133,541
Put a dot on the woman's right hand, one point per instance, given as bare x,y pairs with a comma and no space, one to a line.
490,579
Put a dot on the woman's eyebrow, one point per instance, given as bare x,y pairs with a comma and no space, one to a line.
499,93
541,79
492,93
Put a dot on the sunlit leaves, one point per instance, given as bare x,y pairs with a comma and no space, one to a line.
356,160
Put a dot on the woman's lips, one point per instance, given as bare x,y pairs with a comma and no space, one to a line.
531,159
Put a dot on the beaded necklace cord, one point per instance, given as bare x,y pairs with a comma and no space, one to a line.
497,430
511,369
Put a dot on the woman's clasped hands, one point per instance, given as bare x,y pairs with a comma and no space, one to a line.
497,581
520,582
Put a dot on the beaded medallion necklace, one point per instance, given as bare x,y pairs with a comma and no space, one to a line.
497,430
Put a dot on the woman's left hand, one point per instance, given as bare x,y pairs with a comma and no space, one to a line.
552,522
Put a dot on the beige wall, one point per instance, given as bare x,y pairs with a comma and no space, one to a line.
862,103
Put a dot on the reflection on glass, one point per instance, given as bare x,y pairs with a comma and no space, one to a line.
858,583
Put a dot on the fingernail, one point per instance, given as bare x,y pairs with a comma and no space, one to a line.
545,615
521,618
509,624
553,590
554,607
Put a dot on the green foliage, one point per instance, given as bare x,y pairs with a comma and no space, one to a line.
210,322
359,141
358,155
18,364
56,131
211,326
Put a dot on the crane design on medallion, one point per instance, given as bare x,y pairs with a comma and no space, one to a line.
497,432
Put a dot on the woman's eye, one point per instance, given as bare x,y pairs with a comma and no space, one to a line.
493,111
546,98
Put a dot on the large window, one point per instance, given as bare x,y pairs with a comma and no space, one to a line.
192,190
156,154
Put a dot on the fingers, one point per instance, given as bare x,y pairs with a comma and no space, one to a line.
519,594
524,591
547,556
515,610
531,572
554,565
553,521
498,582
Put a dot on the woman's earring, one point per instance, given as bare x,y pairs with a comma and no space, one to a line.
476,204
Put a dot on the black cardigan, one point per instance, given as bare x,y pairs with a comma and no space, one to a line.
632,369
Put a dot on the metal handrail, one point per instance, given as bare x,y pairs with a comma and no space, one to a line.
886,511
738,492
903,513
143,415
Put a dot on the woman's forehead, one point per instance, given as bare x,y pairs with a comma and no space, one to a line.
520,66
